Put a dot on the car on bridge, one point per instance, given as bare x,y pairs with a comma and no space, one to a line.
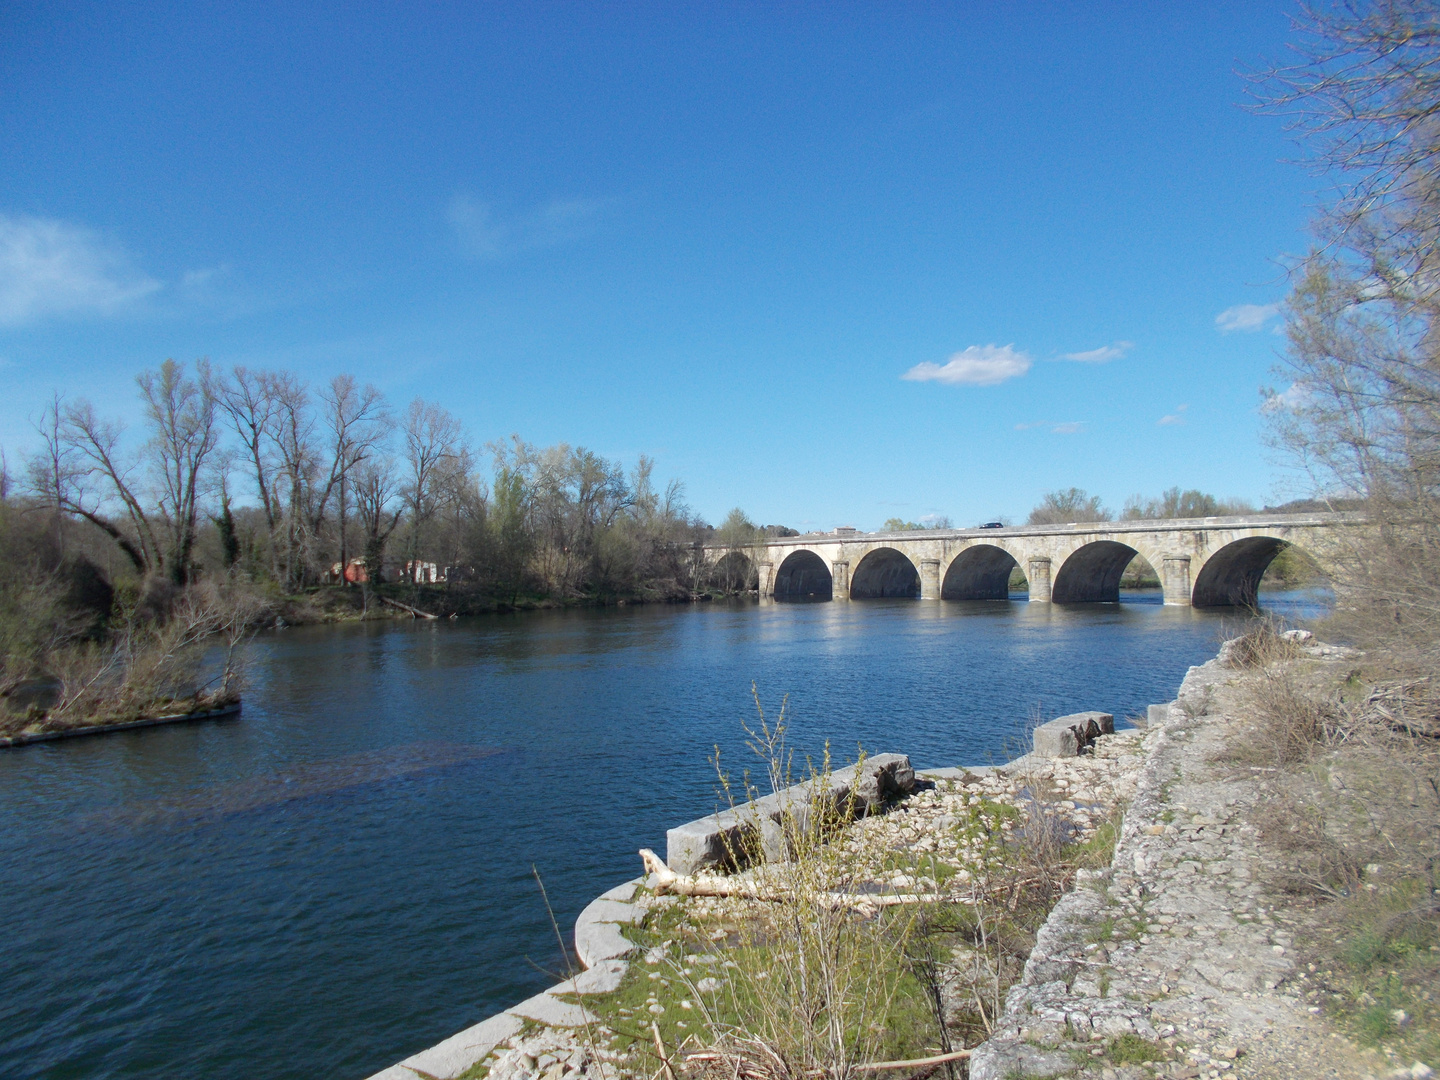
993,525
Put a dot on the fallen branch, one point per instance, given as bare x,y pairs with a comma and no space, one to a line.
873,1066
914,1063
660,1050
415,612
667,881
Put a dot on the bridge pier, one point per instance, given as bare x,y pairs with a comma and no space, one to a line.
765,579
1037,573
929,579
1175,580
840,579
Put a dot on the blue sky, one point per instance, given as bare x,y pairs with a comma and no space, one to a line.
831,263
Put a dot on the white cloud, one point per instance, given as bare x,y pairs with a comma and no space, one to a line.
484,234
1295,396
1102,355
1246,317
1173,419
978,365
50,267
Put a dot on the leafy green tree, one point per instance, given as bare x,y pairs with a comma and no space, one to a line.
512,537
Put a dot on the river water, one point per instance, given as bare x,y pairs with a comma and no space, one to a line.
343,875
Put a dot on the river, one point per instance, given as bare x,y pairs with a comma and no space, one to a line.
343,875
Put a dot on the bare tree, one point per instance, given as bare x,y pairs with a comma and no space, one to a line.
295,446
1068,505
181,412
357,423
379,507
247,398
1174,503
158,491
1361,415
433,439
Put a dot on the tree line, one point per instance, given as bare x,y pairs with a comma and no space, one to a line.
255,473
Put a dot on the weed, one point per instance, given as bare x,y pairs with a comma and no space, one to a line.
1131,1049
1104,930
1260,645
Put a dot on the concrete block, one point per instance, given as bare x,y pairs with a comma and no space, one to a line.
1067,736
550,1010
759,826
1056,739
458,1053
884,777
707,841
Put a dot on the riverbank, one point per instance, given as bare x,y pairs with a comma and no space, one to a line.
340,604
1180,948
34,734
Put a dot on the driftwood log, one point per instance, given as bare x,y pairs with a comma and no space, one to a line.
667,881
869,1066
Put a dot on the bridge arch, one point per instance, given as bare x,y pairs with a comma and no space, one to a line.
981,572
884,572
1091,573
733,571
803,575
1231,576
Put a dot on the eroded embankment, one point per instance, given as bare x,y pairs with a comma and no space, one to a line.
1184,950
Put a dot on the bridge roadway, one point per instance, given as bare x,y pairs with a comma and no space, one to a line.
1208,562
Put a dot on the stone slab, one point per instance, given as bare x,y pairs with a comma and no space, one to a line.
1157,715
623,893
547,1009
597,941
458,1053
603,910
962,772
603,978
395,1072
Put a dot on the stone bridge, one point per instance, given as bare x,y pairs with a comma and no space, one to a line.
1208,562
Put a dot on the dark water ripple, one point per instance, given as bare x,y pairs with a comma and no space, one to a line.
343,875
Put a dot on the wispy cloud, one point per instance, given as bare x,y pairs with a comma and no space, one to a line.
1292,397
1069,427
53,268
1173,419
978,365
1246,317
484,233
1102,355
